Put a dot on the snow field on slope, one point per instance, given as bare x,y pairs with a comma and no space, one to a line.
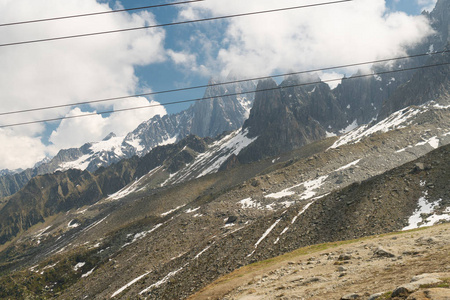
128,285
114,146
141,235
210,161
227,147
425,215
134,186
309,192
394,121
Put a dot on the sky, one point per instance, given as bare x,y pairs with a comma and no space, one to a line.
143,61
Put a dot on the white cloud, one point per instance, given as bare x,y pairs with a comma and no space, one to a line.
19,151
333,79
427,5
307,38
69,71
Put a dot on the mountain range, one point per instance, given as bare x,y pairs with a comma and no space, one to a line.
187,198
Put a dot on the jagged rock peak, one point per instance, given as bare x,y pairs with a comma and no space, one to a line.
440,18
110,136
300,79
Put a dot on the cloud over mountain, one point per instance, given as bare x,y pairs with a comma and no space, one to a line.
307,38
68,71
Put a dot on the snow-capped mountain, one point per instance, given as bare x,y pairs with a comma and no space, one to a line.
310,165
213,115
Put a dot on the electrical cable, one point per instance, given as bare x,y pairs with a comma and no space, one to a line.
172,24
99,13
219,96
219,84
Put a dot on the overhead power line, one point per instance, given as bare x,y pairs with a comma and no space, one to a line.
98,13
218,84
219,96
172,24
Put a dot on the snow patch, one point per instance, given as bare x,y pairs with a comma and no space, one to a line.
301,212
284,193
204,250
162,281
78,266
128,285
267,233
349,165
426,208
81,163
350,127
171,211
133,187
229,147
329,134
394,121
188,211
41,232
88,273
169,140
141,235
310,187
249,203
433,142
94,224
73,225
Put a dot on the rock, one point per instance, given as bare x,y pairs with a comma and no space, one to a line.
419,167
344,257
438,294
231,219
351,296
380,252
313,279
426,240
430,275
375,296
431,294
297,278
426,281
404,290
255,183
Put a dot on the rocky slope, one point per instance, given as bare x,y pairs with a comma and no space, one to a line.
165,225
378,267
165,243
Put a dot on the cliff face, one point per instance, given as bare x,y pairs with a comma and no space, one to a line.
280,121
216,115
428,84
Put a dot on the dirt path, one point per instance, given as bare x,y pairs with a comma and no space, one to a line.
330,271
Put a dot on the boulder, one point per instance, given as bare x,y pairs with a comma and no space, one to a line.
380,252
351,296
431,294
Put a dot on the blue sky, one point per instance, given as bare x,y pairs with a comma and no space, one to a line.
172,57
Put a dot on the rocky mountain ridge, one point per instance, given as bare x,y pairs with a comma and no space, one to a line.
207,118
165,225
212,215
354,102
